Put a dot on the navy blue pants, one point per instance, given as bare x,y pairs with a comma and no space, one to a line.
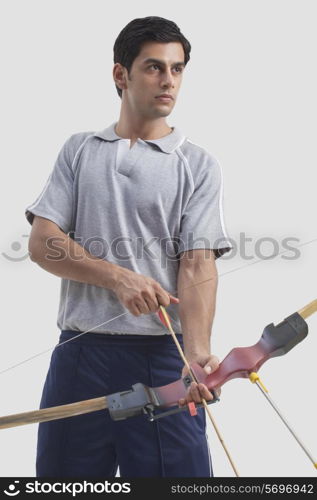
93,445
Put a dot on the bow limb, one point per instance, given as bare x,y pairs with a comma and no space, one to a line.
276,340
53,413
240,362
121,405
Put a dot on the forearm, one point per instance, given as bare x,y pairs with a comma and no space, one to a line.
197,305
59,254
64,257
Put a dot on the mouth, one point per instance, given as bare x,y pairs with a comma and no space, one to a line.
164,98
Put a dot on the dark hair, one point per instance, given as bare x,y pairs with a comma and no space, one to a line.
138,31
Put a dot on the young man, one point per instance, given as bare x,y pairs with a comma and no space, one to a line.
129,218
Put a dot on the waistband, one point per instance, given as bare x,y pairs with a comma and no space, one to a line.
124,338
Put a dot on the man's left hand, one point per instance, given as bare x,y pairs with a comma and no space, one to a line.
198,391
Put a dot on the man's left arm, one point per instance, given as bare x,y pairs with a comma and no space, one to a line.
197,289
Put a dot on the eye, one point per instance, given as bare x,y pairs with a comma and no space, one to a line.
179,69
154,66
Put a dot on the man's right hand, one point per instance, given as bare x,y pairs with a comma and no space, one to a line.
141,294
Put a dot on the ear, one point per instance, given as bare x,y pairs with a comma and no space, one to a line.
119,73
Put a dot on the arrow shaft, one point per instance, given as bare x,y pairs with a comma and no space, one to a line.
204,402
286,423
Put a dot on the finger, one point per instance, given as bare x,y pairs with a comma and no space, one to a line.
212,364
196,393
134,310
204,392
143,306
193,393
174,300
162,296
152,304
162,299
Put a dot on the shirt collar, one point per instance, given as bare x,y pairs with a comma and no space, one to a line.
167,144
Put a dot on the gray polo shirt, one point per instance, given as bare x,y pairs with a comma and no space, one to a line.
138,208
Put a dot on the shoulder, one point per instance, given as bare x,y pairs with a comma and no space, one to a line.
74,144
76,140
199,160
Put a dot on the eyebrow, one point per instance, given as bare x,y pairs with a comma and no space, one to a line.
158,61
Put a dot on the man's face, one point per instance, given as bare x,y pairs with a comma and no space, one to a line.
158,69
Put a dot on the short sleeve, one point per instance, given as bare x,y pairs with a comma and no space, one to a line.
202,222
55,202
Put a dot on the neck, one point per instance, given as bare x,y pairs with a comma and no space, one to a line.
131,126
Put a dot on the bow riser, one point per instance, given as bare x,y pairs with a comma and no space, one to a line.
240,362
275,341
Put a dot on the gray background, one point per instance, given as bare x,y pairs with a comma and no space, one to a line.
249,97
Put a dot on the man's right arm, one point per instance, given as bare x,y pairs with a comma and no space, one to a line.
59,254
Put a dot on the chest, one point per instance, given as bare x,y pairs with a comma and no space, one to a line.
141,180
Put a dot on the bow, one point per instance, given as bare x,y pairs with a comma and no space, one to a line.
158,402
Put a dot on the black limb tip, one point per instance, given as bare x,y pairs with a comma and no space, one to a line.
285,335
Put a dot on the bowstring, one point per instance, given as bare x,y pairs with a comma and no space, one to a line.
49,349
12,367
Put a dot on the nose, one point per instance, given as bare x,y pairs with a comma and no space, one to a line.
168,79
